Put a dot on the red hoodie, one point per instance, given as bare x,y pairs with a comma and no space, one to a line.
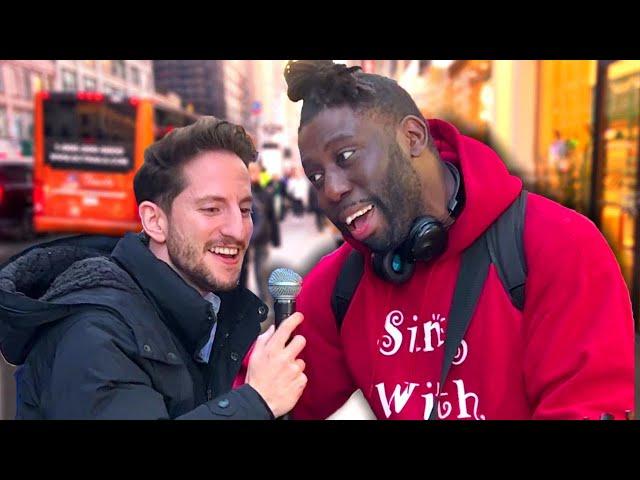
568,355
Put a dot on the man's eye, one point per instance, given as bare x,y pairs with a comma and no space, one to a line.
315,178
246,211
211,210
344,156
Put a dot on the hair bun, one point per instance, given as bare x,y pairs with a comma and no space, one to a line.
303,76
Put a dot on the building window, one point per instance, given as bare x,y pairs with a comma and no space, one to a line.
118,68
23,125
26,78
90,84
4,131
69,80
113,91
135,75
18,84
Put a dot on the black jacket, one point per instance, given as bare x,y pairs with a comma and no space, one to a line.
266,228
102,329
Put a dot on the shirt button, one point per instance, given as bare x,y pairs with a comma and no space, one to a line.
224,403
262,309
171,355
146,348
234,356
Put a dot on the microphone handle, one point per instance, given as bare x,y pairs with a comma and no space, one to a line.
283,309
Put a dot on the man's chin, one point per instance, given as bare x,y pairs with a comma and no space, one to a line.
378,247
377,243
227,286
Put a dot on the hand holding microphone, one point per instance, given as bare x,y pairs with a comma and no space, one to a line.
274,370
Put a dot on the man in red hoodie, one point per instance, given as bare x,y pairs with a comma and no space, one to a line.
379,166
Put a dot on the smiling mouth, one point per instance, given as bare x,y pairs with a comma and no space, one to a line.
229,253
358,217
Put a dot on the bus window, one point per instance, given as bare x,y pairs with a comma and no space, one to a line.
166,120
89,135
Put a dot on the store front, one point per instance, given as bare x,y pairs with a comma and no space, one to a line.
616,176
564,140
587,150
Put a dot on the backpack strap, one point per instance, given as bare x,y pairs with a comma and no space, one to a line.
346,284
506,249
502,245
471,278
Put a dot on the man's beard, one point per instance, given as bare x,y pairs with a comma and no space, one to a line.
402,204
184,256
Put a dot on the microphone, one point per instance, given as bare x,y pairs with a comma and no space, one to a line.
284,286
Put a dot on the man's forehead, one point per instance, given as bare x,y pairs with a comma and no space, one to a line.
212,172
332,124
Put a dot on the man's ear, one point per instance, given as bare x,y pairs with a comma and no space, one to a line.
416,132
154,221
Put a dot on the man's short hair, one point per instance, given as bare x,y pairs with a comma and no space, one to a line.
160,179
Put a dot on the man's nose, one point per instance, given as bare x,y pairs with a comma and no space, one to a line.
336,185
233,225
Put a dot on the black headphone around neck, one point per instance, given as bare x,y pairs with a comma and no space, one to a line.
426,241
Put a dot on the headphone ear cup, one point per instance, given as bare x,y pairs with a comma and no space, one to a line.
383,265
427,239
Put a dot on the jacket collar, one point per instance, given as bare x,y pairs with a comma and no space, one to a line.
183,310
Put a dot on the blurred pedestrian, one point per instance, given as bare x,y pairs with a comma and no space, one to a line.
266,228
298,187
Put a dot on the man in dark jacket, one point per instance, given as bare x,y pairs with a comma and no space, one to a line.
153,326
266,228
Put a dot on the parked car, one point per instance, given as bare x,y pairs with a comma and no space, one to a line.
16,199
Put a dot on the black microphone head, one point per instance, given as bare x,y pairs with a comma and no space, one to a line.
284,284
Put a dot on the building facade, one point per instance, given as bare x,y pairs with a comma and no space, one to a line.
19,81
200,84
112,77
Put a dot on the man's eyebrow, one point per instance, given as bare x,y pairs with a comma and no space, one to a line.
217,198
336,138
214,198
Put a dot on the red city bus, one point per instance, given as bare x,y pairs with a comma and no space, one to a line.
88,147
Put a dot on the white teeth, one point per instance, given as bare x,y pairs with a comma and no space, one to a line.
359,213
225,251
